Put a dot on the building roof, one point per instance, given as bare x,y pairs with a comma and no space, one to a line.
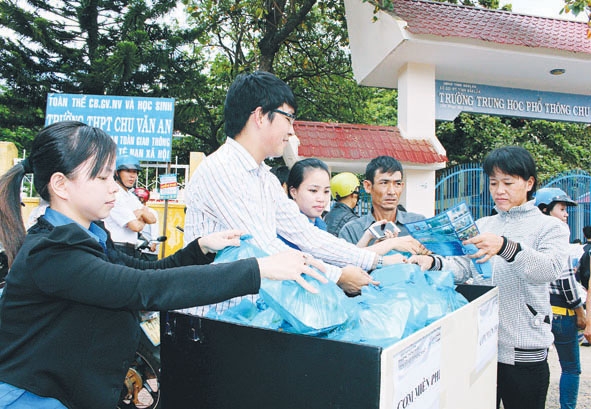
468,45
361,143
502,27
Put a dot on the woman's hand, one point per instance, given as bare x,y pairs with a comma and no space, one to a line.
218,240
290,265
488,245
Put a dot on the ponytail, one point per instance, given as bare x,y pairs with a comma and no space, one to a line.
12,227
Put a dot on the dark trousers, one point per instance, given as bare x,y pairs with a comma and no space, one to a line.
523,386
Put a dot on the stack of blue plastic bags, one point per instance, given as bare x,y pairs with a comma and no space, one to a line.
406,300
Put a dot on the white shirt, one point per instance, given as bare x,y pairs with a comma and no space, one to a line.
125,204
229,190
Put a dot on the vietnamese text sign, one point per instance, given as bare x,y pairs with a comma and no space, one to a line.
417,373
140,126
451,98
169,187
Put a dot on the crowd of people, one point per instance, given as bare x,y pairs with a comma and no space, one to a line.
76,284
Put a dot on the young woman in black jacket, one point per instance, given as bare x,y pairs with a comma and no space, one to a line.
68,314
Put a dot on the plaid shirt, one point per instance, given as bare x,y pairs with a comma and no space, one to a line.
563,292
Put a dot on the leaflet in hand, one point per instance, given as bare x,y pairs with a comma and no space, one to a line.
443,234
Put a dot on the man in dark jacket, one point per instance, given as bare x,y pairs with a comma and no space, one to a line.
344,188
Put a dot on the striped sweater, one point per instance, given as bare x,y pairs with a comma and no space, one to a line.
525,315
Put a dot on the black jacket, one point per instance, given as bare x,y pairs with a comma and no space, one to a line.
337,217
68,315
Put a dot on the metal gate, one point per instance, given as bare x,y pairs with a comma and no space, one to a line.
464,183
469,183
577,184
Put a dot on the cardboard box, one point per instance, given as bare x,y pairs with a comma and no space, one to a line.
451,364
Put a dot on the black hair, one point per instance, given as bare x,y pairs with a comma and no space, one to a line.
299,169
282,173
59,147
250,91
547,208
514,161
587,232
385,164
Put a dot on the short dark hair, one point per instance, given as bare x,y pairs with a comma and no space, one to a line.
282,172
298,172
512,160
385,164
250,91
587,232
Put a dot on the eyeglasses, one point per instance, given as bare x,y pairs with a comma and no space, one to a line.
355,192
290,117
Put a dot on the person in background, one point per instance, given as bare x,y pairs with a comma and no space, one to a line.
70,290
528,251
345,191
384,182
234,187
587,332
282,172
583,277
129,216
567,307
308,185
150,231
583,267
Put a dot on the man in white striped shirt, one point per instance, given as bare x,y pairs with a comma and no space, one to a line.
234,189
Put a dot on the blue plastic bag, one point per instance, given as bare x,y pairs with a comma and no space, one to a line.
246,249
306,312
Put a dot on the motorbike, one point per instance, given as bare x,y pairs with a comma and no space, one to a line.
141,388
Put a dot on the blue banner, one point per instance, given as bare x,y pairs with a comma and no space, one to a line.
455,97
140,126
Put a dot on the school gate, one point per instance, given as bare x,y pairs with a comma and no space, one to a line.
469,183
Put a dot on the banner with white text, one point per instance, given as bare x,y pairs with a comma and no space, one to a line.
140,126
452,97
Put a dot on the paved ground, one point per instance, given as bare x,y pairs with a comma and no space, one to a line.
584,401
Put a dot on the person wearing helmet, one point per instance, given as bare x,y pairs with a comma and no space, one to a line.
567,307
344,188
129,216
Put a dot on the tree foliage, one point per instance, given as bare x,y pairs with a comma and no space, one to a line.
117,47
131,47
556,146
576,7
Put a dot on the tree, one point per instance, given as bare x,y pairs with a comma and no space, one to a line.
303,42
118,47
